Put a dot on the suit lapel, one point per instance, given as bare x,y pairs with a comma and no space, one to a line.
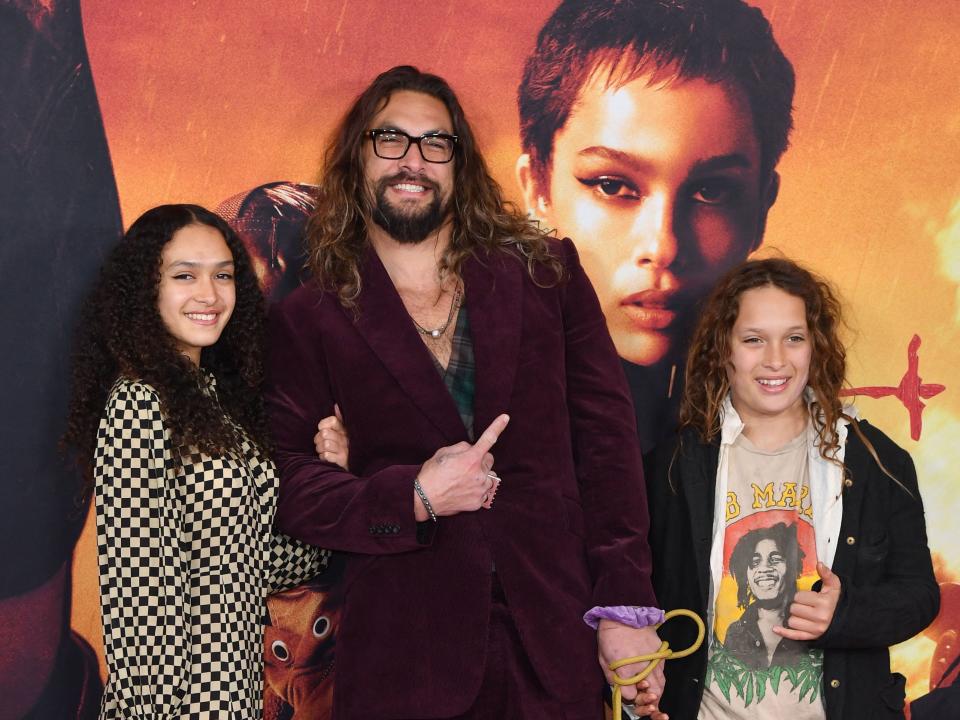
494,301
384,324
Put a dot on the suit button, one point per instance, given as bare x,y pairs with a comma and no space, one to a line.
851,540
848,482
834,683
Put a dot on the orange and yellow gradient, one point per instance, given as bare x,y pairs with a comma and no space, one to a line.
203,99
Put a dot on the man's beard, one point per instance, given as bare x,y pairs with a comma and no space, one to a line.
407,228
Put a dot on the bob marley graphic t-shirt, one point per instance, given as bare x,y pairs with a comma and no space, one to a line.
769,552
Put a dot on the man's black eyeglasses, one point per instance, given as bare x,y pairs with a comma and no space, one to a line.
394,144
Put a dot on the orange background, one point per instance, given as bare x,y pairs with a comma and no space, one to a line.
206,98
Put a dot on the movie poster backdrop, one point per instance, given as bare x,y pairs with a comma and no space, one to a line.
107,109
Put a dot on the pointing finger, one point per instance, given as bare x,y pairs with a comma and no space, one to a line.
490,435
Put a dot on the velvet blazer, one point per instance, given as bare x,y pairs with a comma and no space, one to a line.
568,528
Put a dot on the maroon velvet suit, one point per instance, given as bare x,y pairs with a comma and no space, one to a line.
568,528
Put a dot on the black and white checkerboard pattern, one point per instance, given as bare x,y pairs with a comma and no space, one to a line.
186,558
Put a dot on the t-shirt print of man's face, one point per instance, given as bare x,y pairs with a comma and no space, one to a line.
766,571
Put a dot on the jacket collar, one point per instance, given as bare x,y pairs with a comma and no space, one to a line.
826,482
494,291
731,426
493,300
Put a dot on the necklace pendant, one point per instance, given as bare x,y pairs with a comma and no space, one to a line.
435,333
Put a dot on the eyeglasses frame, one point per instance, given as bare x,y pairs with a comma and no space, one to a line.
411,141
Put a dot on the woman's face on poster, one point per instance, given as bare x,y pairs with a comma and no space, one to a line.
660,188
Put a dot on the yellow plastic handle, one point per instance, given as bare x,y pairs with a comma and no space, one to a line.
654,658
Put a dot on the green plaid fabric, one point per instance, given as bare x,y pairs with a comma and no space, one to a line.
459,373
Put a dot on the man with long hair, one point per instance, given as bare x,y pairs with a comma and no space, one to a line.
448,329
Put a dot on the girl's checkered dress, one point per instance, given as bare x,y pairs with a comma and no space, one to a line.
186,557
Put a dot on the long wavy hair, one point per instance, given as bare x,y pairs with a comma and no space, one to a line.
701,407
707,384
121,334
481,218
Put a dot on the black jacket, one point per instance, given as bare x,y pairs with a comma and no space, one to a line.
889,592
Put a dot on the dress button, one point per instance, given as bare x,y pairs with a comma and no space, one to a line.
395,529
834,683
851,540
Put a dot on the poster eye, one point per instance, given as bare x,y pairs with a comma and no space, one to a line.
321,627
280,650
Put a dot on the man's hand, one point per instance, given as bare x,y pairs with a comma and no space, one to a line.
616,641
331,439
458,478
812,612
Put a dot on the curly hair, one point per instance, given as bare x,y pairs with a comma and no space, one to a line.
785,538
121,334
481,217
707,383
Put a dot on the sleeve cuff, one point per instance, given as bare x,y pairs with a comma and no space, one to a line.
629,615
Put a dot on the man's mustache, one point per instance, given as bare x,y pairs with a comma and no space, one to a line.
406,177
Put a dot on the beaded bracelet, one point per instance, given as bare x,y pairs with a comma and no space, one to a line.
423,498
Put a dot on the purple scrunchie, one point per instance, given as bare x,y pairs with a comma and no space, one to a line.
630,615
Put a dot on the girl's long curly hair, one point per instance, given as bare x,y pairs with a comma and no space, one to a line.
482,219
121,334
710,349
